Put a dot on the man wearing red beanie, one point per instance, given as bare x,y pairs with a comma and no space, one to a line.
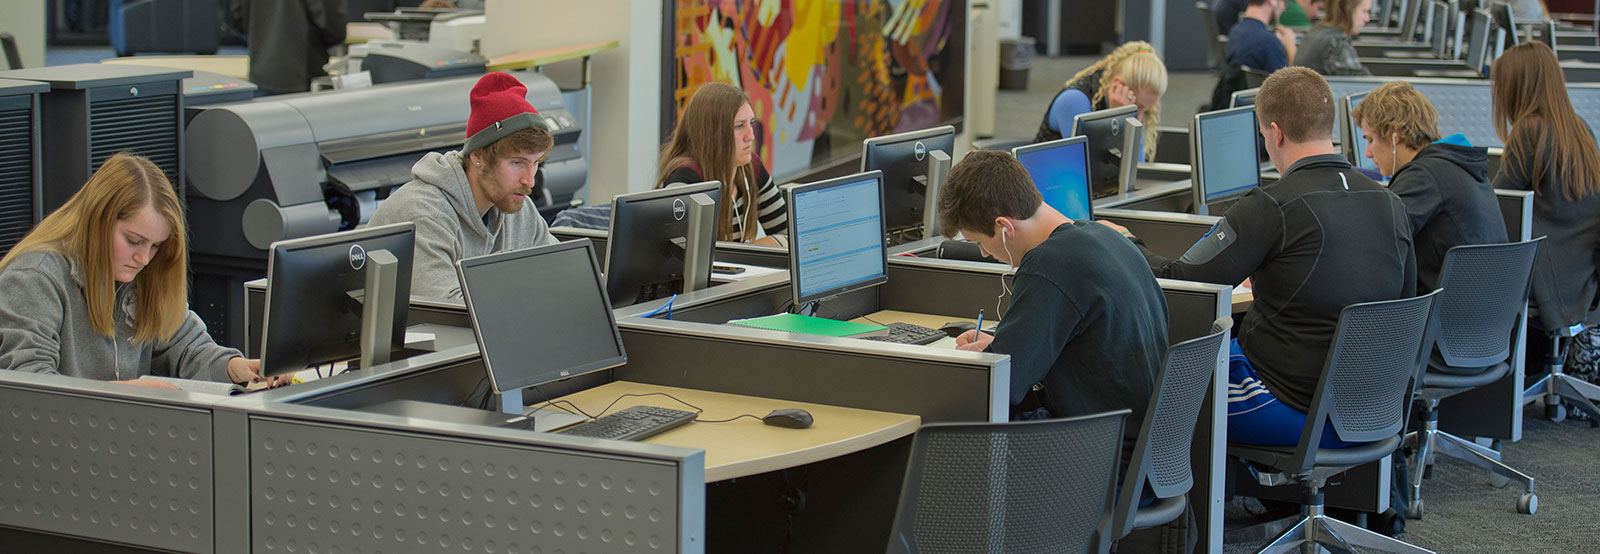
475,201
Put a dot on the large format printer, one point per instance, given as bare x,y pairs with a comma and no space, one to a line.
300,165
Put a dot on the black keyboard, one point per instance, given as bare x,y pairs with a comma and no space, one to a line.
635,423
906,333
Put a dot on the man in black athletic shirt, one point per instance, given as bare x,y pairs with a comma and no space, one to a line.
1321,238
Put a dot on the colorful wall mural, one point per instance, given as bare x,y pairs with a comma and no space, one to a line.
821,74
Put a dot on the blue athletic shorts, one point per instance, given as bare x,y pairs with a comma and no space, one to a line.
1256,417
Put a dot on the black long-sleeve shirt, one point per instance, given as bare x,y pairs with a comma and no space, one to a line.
1449,205
1321,238
1566,270
1088,321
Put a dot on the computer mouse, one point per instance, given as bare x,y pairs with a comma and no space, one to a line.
956,328
789,418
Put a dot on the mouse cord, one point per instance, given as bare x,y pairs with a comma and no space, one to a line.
697,410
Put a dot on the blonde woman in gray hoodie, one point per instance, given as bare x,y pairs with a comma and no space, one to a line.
98,289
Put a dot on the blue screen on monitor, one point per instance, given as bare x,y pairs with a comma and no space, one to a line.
1062,175
1228,154
838,234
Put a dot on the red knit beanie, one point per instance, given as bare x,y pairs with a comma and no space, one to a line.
499,108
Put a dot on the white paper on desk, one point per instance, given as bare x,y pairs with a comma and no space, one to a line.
750,271
415,337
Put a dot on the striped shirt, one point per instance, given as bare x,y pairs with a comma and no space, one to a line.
771,210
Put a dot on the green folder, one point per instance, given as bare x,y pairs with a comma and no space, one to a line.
796,323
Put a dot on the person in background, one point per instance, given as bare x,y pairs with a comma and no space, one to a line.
288,39
1227,13
1298,14
1327,48
474,202
99,290
715,141
1252,44
1441,181
1550,151
1131,75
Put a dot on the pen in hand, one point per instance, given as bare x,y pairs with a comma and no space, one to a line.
980,320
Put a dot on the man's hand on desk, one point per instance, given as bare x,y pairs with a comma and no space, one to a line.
148,383
244,371
973,341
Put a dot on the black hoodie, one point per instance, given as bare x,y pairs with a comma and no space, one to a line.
1449,204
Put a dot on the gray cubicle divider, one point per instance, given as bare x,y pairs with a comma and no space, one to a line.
1464,104
726,251
107,463
329,479
1165,233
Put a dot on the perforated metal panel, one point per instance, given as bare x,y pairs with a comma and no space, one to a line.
325,488
1483,290
1190,366
117,471
18,165
1373,360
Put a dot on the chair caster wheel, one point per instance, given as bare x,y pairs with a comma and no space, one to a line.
1416,510
1498,481
1555,412
1528,504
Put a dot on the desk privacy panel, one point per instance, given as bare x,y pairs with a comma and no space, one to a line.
1464,105
113,470
332,488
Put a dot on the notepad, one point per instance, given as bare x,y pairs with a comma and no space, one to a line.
796,323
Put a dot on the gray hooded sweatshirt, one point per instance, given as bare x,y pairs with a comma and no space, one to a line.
44,328
439,201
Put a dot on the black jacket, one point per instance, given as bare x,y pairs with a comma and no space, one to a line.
1089,85
1564,272
288,39
1449,205
1322,238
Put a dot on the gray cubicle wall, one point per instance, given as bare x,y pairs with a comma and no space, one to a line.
1464,104
107,463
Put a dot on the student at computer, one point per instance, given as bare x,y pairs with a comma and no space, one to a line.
1327,48
1131,75
715,141
474,202
1321,238
1086,320
1251,43
98,289
1441,181
1550,151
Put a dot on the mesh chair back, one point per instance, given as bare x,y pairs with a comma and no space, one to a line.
1034,486
1484,288
1375,356
9,44
1254,77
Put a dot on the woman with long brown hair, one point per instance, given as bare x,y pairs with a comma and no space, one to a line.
1328,48
98,289
1550,151
715,141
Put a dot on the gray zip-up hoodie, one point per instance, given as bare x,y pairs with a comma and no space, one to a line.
44,328
439,201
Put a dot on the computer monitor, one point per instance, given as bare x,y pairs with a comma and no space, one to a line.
1115,139
1444,13
914,165
1505,30
660,242
529,337
337,296
1478,44
1355,147
1458,26
836,236
1223,156
1060,170
1246,97
1409,18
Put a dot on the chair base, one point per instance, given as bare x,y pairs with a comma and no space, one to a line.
1556,390
1318,531
1432,441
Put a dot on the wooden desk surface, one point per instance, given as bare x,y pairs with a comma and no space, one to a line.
237,67
545,56
747,446
930,321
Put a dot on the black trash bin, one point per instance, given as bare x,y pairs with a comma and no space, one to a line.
1016,57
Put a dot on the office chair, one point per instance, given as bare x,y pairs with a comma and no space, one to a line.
1217,41
1160,460
1024,486
1003,144
1363,393
1483,291
1557,389
9,44
1253,77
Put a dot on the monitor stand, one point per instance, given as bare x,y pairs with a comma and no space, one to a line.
932,180
544,419
377,308
417,409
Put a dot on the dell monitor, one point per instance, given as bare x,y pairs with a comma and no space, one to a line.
1444,13
1115,139
1478,45
1246,97
1224,155
660,242
836,240
914,165
1060,170
1355,146
335,297
527,337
